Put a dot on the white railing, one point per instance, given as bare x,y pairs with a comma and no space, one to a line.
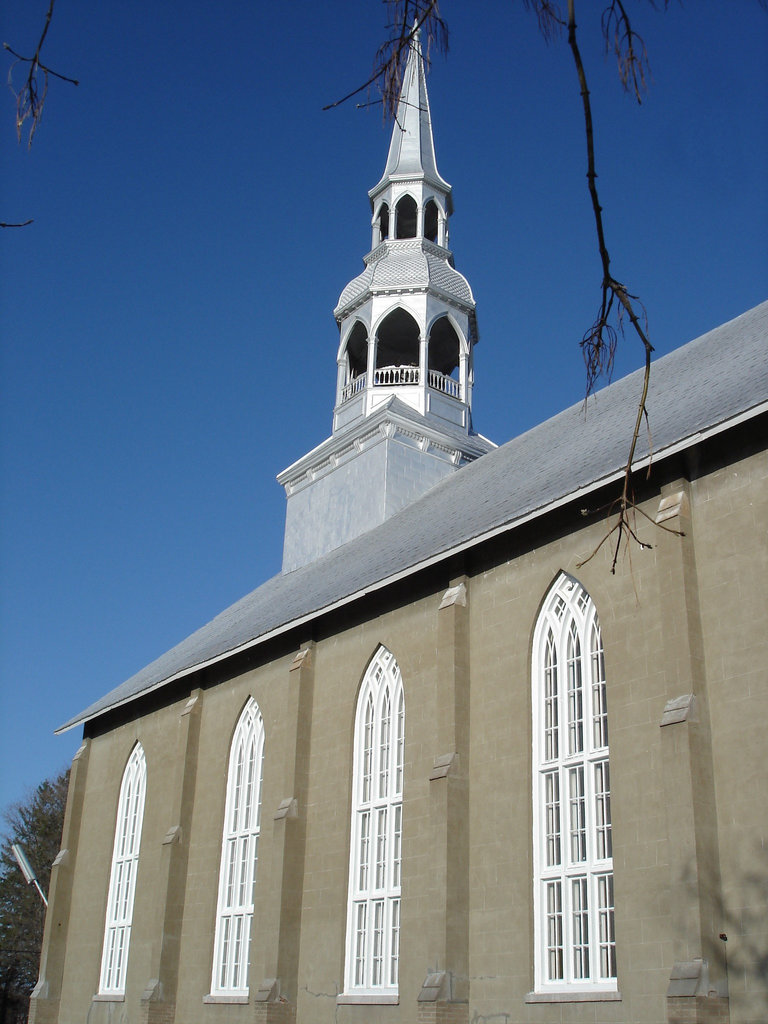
389,375
447,385
353,387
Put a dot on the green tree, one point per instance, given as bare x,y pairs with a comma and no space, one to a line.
36,825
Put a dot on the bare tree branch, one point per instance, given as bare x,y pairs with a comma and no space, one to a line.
628,48
30,99
408,18
599,342
551,21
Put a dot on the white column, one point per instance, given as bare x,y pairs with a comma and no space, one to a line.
423,370
464,394
442,229
373,341
341,379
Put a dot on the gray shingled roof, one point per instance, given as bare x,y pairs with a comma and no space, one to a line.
715,380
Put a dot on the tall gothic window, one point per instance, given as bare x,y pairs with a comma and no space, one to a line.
239,855
406,217
373,916
573,885
122,878
431,220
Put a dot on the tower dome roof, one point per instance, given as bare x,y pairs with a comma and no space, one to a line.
406,265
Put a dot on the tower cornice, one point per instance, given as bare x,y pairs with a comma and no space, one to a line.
391,245
404,180
390,421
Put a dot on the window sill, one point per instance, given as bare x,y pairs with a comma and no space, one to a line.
109,997
240,1000
354,998
604,996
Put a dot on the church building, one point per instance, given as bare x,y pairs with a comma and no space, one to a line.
447,767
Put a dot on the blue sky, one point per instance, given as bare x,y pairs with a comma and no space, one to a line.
168,343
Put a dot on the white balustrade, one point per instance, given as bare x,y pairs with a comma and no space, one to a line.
447,385
389,375
353,387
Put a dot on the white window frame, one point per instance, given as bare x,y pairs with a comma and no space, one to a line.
122,876
375,857
239,856
574,927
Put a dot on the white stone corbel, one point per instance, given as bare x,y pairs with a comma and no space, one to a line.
679,709
454,595
302,658
288,808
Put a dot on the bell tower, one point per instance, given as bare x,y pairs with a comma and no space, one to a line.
402,418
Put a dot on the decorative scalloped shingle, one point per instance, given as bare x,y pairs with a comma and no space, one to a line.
443,276
356,287
402,270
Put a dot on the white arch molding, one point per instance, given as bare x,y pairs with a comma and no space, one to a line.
373,904
239,855
122,877
575,946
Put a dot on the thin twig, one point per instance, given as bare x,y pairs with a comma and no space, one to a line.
628,48
408,18
30,99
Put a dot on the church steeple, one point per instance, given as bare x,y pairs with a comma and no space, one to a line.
407,323
402,418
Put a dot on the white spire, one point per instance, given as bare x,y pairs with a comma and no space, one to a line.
412,149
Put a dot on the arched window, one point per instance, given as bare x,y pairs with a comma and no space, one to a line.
373,917
239,855
407,213
443,347
430,220
357,351
397,344
383,222
122,878
573,885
